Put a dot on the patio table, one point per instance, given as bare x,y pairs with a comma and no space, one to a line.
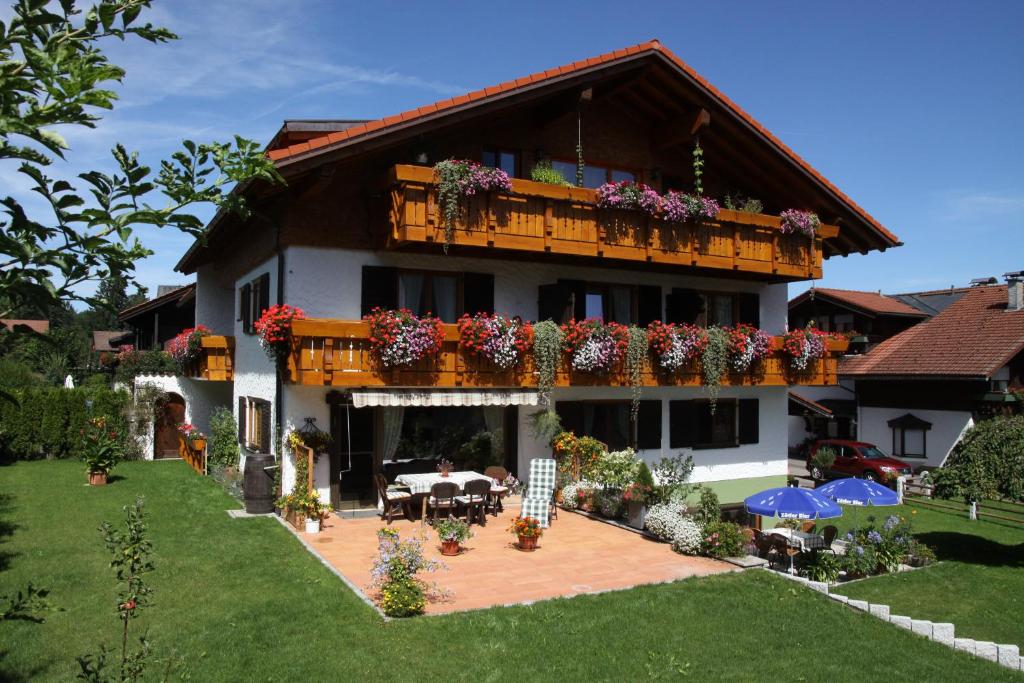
419,484
800,539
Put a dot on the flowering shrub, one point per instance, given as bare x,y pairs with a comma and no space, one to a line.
275,329
797,221
723,539
618,469
637,493
679,207
185,346
528,527
803,346
594,346
688,537
102,447
578,495
676,345
394,571
189,432
305,503
458,179
889,544
747,345
668,522
503,341
609,503
627,194
578,457
401,339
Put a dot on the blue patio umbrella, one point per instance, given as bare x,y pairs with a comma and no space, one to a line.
853,491
788,502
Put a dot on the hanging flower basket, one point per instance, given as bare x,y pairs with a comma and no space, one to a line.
186,346
679,207
594,346
804,346
400,339
458,179
629,195
275,330
502,341
676,345
747,345
799,222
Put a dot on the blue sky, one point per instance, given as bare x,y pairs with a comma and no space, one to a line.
912,108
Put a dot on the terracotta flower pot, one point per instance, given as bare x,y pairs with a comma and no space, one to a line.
97,479
198,444
528,543
449,548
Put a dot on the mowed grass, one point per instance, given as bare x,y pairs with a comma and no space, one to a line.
243,600
978,586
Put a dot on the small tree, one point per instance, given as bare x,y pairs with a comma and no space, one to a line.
223,450
987,463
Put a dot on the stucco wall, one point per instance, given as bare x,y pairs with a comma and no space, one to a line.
298,403
947,428
201,398
215,296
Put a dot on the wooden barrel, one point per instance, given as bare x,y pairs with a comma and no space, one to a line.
258,484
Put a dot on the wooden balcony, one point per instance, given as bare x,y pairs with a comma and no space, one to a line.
541,218
337,353
216,361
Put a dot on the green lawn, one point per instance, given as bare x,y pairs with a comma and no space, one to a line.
979,585
242,600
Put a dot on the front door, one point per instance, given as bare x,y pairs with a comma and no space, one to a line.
165,433
351,468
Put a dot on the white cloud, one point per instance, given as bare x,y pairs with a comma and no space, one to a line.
961,206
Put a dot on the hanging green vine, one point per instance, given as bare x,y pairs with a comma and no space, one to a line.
579,148
451,179
636,354
714,362
698,168
547,353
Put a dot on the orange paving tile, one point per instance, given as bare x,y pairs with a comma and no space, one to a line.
576,555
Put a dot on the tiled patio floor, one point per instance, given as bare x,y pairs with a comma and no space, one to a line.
576,555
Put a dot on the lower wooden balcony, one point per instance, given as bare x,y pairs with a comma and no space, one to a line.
216,360
337,353
547,219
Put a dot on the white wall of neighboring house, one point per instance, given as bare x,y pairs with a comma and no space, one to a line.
948,426
797,431
215,300
201,398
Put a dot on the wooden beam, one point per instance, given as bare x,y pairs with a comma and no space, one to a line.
681,129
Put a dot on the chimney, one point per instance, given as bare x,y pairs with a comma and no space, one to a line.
166,289
1015,293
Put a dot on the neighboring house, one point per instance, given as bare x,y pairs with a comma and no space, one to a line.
152,323
871,316
357,226
105,343
37,326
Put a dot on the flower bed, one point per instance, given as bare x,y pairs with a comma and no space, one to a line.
629,195
502,341
400,339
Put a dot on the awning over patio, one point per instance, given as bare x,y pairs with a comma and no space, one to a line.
364,398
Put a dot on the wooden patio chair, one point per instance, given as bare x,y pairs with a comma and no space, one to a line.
474,500
442,497
763,543
807,527
392,500
784,550
498,491
829,533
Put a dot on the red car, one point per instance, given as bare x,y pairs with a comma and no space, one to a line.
857,459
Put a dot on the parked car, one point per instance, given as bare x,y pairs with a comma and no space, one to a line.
857,459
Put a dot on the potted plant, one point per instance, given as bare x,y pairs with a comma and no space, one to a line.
445,467
638,495
821,463
314,510
102,450
452,533
528,530
195,438
399,339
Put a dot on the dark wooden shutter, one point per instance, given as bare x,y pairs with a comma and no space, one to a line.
683,306
266,435
478,293
750,308
254,302
648,425
749,420
241,421
245,308
552,302
648,305
683,423
571,413
380,288
263,302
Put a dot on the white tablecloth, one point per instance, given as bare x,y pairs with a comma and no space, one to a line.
799,539
421,483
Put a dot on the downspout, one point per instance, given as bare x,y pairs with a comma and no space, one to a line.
279,384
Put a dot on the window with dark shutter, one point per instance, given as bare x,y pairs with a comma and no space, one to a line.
749,420
577,298
683,306
553,303
750,308
263,301
241,421
380,288
245,308
478,293
648,304
571,414
265,431
648,425
682,424
254,300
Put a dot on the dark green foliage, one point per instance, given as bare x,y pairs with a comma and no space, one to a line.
15,374
48,422
134,363
222,449
644,476
987,463
709,510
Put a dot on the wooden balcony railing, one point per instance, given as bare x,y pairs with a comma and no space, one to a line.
216,361
542,218
193,455
337,353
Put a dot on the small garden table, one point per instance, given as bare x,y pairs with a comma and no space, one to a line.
420,484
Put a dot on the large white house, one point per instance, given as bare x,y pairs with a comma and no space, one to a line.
358,226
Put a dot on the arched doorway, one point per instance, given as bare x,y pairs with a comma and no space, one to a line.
170,414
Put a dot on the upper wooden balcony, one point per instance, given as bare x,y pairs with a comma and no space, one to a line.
216,360
337,353
542,218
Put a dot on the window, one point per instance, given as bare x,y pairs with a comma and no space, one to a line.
434,293
443,294
611,303
909,436
594,175
506,160
253,299
625,304
734,423
254,431
610,422
844,322
713,308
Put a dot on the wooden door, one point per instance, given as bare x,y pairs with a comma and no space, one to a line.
165,437
351,469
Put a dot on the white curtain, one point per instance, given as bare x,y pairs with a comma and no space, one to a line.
388,434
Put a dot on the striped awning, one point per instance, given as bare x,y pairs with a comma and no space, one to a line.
364,398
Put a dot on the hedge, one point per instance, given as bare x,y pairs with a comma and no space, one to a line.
47,422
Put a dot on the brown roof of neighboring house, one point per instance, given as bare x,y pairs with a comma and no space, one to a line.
38,326
870,302
176,296
972,338
809,404
105,340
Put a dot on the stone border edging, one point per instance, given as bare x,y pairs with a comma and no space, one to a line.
940,632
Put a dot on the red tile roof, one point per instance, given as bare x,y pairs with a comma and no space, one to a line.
38,326
973,337
808,403
872,302
317,145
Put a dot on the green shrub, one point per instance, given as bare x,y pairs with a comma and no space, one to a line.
544,173
987,463
15,374
820,566
222,449
709,510
644,476
134,363
402,598
723,539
